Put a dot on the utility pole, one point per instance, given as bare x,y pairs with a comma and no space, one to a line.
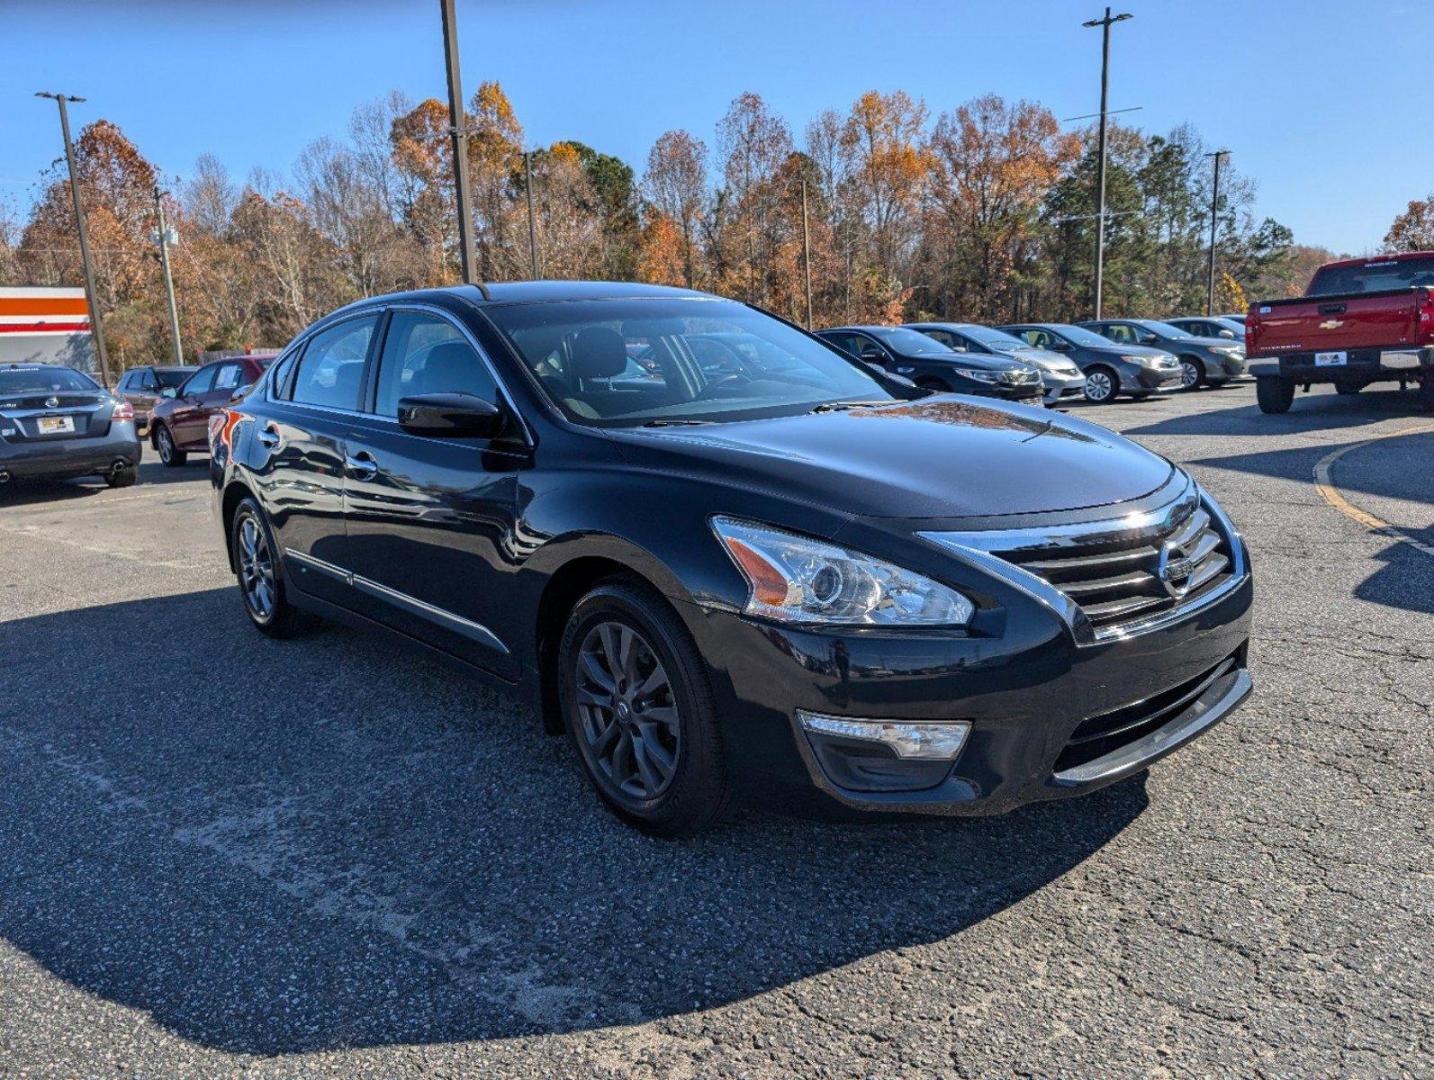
163,235
459,130
807,253
532,221
1105,25
1214,211
91,296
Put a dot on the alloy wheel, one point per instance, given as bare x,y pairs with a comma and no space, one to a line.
256,568
166,446
1189,374
626,711
1098,386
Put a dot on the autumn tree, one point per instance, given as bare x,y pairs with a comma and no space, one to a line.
1413,230
887,163
753,143
675,186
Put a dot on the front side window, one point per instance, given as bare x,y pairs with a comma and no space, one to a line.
331,370
201,383
1119,332
427,354
158,380
583,353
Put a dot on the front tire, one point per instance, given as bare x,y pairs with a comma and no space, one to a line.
261,581
1101,385
1348,389
639,710
169,453
1274,394
1192,373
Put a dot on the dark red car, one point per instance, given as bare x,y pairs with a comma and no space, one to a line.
179,423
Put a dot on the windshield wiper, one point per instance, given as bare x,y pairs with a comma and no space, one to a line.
839,406
675,423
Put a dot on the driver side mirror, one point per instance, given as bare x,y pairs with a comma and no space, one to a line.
1059,346
451,416
871,355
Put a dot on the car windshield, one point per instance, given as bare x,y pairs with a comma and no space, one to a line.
1373,276
1079,335
41,378
994,339
1164,329
908,342
172,376
680,360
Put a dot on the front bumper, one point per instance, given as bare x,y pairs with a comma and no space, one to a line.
1144,380
1030,694
61,458
1057,388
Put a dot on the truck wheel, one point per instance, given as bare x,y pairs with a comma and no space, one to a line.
1274,394
1425,393
1348,388
1192,373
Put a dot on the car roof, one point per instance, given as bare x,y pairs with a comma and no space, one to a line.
530,292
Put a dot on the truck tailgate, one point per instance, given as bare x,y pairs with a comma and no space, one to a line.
1384,320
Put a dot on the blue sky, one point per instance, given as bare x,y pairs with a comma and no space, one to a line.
1323,103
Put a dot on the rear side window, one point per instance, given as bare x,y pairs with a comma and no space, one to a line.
203,381
230,377
1373,276
427,354
331,370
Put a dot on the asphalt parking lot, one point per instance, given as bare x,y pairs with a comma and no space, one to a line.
222,855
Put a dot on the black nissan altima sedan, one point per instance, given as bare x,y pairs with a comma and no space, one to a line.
784,575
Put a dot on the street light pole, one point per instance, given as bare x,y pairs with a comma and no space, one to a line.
459,129
532,220
807,254
91,296
1214,211
163,234
1105,25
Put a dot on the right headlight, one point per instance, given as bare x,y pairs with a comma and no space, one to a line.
798,579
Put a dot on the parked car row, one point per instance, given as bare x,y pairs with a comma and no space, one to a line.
1100,359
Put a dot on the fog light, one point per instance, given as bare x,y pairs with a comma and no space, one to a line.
926,740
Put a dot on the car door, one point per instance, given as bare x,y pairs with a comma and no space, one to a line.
430,519
299,463
188,422
144,393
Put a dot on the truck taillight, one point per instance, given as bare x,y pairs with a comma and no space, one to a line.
123,410
1426,308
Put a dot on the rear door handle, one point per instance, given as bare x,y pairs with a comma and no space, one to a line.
268,436
361,466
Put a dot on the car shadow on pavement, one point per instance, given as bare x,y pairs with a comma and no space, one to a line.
32,492
337,842
1318,411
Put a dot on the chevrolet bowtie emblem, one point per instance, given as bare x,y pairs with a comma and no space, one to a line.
1331,324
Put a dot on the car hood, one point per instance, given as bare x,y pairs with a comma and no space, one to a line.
1117,349
945,456
1042,358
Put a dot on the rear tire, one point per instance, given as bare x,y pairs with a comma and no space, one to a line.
169,453
1102,385
1425,394
1348,389
1274,394
121,477
645,729
261,579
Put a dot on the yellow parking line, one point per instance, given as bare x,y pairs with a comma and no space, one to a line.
1332,495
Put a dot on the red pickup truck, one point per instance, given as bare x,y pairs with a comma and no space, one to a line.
1360,321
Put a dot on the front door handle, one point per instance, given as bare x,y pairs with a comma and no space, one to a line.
361,466
268,436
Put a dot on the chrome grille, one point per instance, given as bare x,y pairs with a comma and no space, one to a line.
1118,580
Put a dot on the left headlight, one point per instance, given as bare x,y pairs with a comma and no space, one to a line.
798,579
979,374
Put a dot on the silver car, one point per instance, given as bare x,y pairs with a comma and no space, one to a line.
56,422
1060,378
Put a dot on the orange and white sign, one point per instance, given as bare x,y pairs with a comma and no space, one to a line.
42,309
